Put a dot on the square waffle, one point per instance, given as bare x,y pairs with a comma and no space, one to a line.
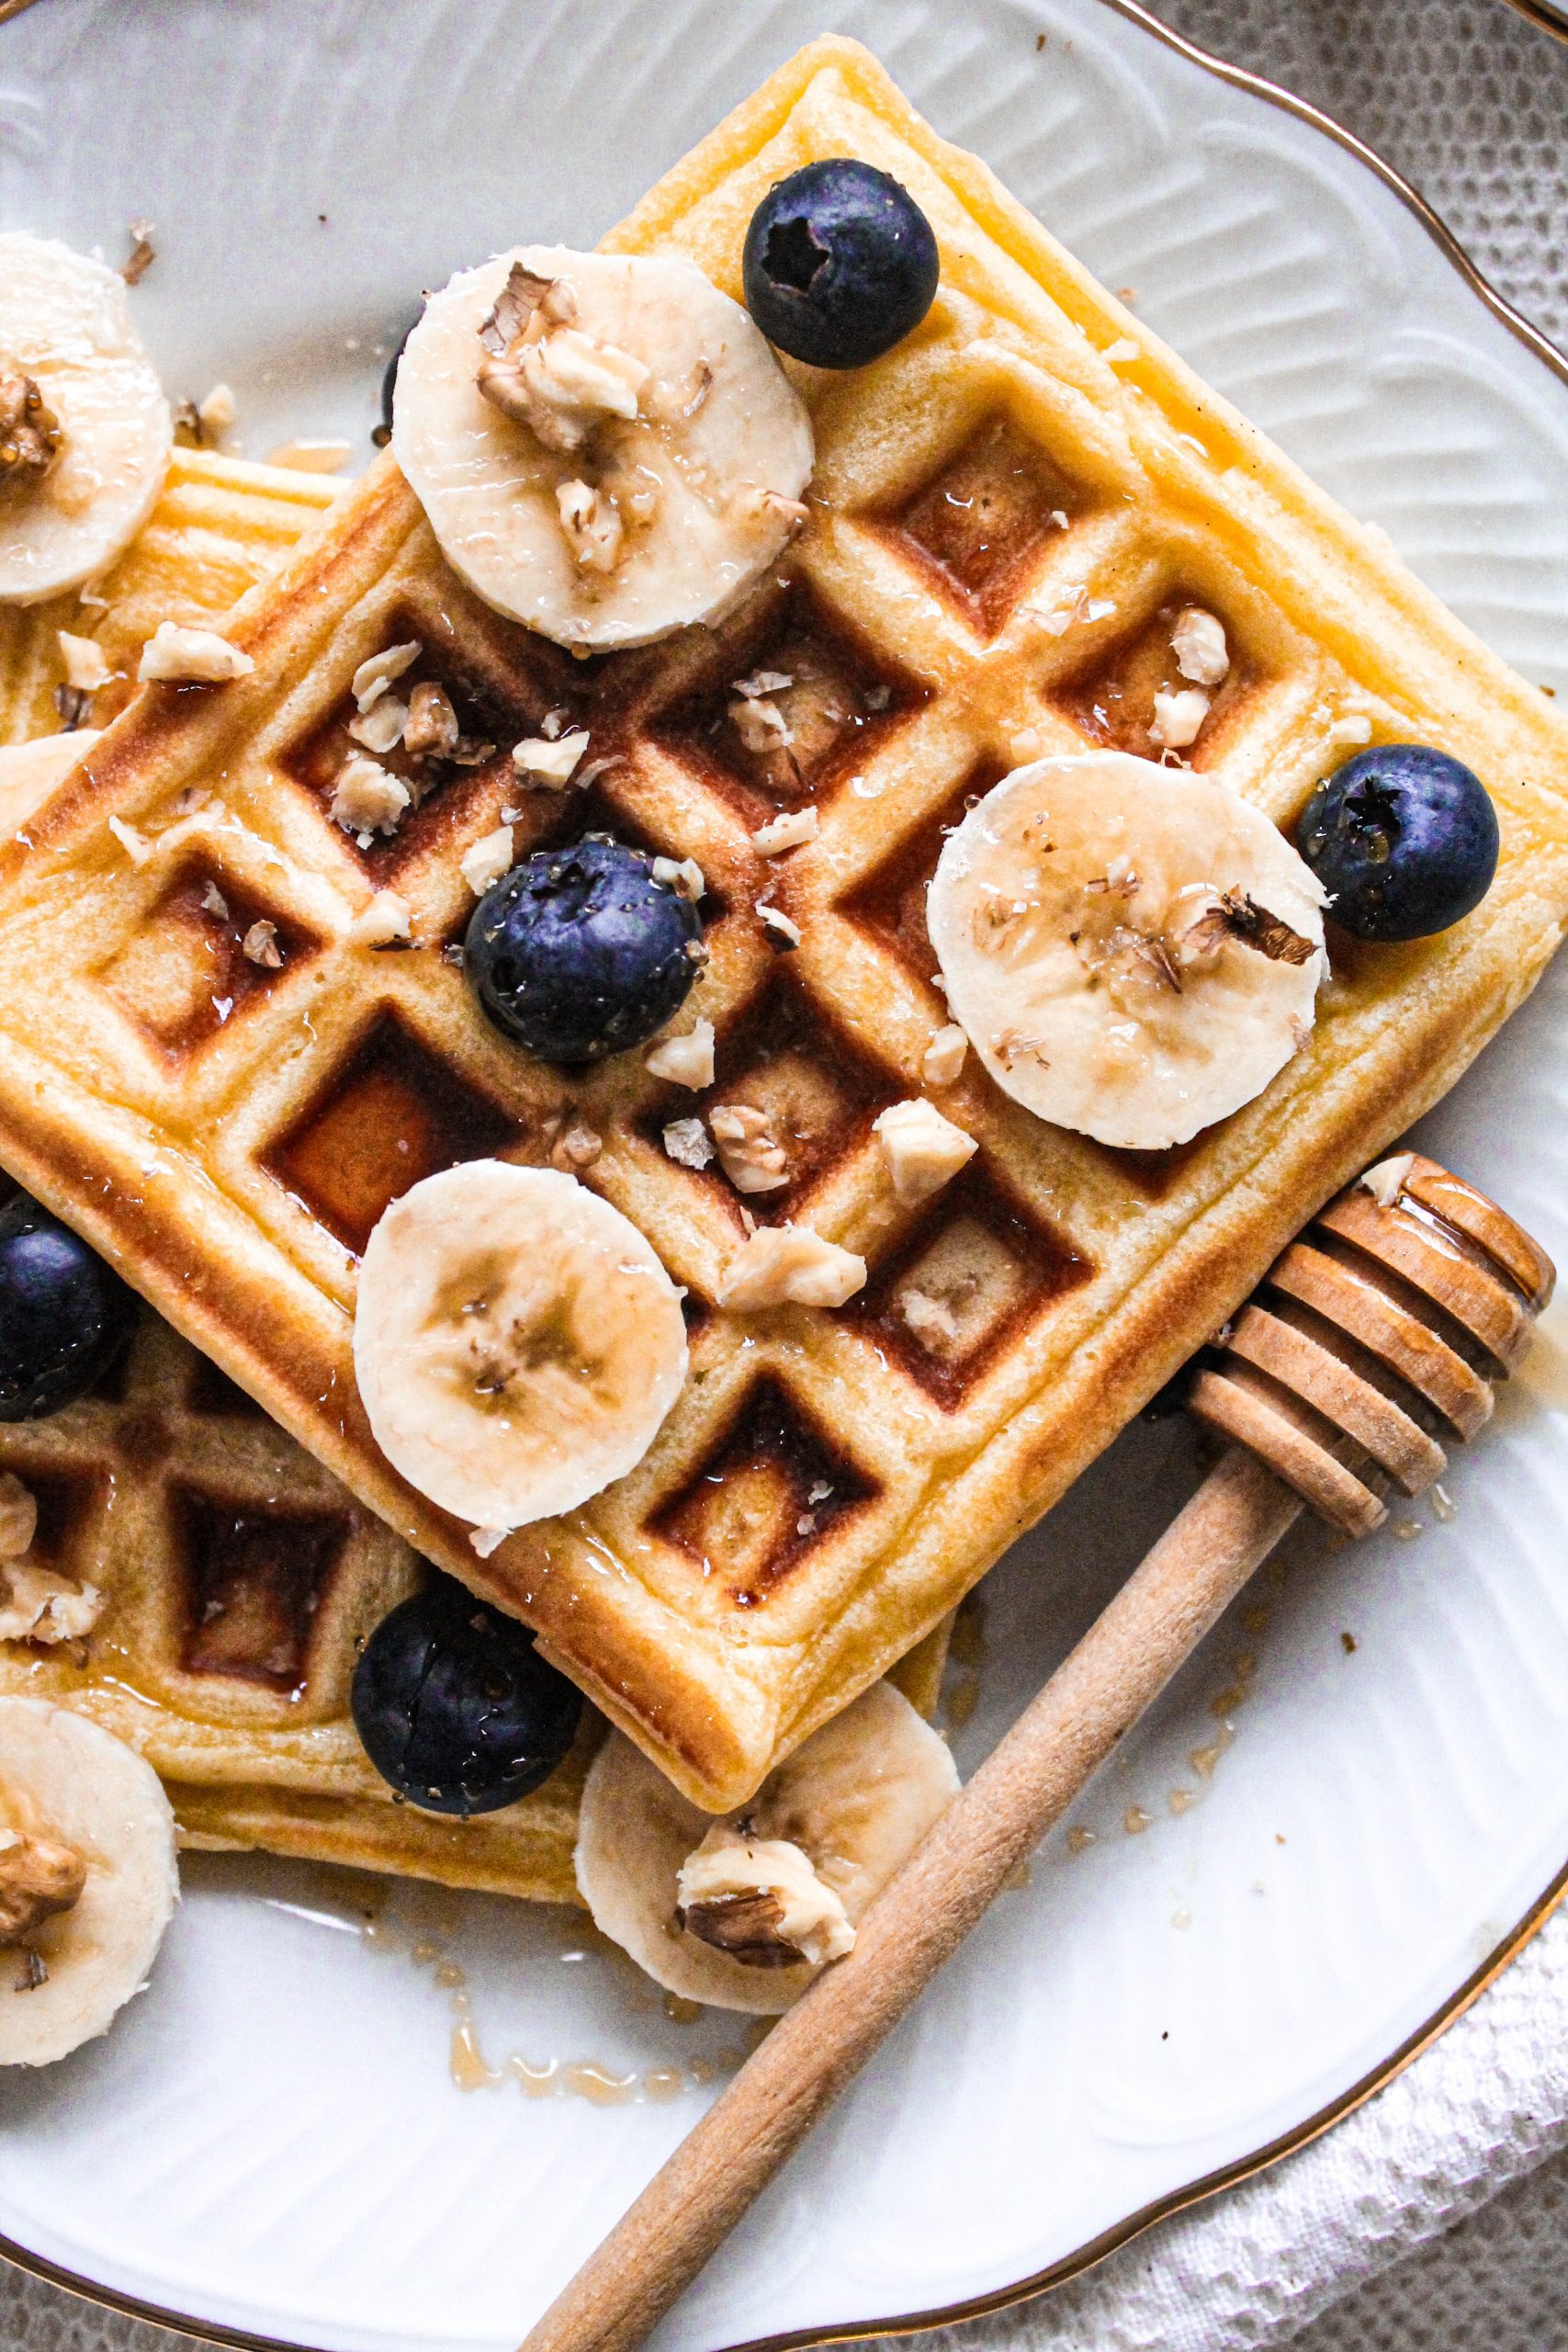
220,526
239,1578
1005,511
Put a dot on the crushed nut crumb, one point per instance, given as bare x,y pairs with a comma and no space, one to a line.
191,657
781,931
787,831
684,876
1178,718
578,1147
85,666
260,946
381,728
143,254
213,902
922,1150
789,1265
368,798
684,1061
380,670
1198,641
383,924
550,765
750,1153
135,845
486,860
688,1144
944,1059
431,731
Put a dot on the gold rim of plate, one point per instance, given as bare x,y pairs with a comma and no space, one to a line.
1163,2209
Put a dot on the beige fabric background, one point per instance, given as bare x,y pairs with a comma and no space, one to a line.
1470,101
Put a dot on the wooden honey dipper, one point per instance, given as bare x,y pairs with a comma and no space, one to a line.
1372,1341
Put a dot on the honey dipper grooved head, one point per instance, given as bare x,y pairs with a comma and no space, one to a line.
1374,1339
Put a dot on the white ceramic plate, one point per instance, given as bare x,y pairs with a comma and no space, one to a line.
271,2141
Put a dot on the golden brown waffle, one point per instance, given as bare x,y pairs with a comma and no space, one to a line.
220,525
238,1579
237,1576
1004,519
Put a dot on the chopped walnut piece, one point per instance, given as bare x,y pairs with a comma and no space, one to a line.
383,924
748,1152
431,731
761,724
1239,917
380,670
688,1144
217,412
550,764
30,436
787,831
135,845
760,1901
1388,1179
930,1321
783,931
1198,641
485,861
922,1150
40,1878
591,522
788,1265
684,1062
191,657
579,1147
381,728
40,1605
143,254
522,295
85,667
368,798
260,946
213,902
1178,718
684,876
552,377
944,1060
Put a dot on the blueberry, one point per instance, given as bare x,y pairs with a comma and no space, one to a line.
455,1705
579,953
1404,839
65,1315
840,264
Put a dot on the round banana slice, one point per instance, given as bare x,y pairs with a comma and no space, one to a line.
85,432
30,771
87,1879
1134,951
516,1342
744,1912
605,445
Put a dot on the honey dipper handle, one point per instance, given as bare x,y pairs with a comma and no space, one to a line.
1097,1693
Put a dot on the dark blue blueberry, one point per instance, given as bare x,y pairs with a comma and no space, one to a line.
455,1705
65,1315
579,953
840,264
1404,839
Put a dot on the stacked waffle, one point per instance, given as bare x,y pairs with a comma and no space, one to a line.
1007,512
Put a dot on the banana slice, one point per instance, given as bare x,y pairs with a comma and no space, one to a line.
744,1912
87,1879
86,433
516,1342
30,771
605,445
1134,951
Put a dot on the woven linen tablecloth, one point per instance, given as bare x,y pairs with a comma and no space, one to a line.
1352,2245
